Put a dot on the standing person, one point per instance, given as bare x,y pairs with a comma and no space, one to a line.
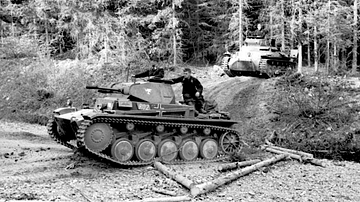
259,32
192,90
155,73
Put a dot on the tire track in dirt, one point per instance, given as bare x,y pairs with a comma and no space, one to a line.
41,176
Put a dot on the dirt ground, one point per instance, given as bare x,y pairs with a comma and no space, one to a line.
33,167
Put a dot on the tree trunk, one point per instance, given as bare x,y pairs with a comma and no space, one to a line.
214,184
235,165
240,24
335,58
180,179
47,38
328,41
299,70
174,33
308,50
292,23
355,46
316,62
282,26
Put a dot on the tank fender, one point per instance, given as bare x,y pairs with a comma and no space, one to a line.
64,110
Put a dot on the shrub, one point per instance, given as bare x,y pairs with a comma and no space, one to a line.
316,114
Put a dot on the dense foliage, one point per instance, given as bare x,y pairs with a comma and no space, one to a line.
317,114
160,30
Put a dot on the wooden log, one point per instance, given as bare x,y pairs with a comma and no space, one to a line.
163,191
214,184
178,178
292,151
231,166
294,156
316,162
165,199
298,157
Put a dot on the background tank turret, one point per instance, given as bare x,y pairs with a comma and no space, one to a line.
259,58
133,123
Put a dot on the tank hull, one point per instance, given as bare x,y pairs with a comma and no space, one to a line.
257,59
133,133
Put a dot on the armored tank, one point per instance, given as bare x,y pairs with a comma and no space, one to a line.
134,123
258,58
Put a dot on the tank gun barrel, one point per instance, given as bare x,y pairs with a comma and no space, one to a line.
107,90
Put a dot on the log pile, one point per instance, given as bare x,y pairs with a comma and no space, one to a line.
243,168
294,154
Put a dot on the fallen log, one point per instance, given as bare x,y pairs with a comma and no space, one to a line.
214,184
298,157
165,199
163,191
294,156
178,178
291,151
235,165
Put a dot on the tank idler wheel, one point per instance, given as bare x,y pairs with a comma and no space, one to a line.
130,126
122,150
184,130
98,136
167,150
160,128
209,149
189,150
230,142
145,150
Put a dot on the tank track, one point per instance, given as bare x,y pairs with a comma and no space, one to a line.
52,131
86,123
271,70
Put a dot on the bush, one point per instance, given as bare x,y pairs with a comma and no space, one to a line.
18,47
317,114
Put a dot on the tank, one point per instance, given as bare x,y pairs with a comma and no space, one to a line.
258,58
134,123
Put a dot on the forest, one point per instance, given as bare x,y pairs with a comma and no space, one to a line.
178,31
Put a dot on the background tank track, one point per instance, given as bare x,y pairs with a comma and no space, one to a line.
53,133
86,123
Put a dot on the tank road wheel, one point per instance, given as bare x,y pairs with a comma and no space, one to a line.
167,150
209,149
145,150
122,150
230,142
98,137
189,150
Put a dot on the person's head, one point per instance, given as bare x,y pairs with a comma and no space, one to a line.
153,67
187,72
259,26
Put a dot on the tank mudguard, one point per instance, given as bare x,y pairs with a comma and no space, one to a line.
64,110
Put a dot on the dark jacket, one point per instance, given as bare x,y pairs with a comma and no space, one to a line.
155,73
190,85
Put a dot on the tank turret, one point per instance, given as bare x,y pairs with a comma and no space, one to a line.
154,92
